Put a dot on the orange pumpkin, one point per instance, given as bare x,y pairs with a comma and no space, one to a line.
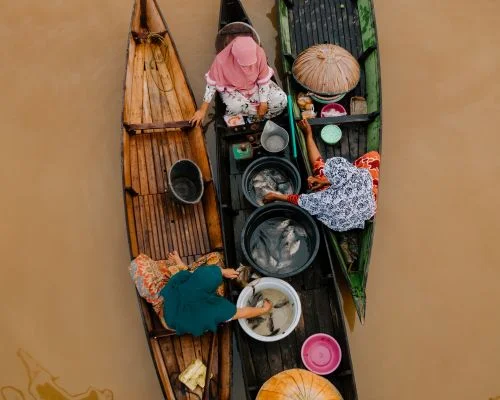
298,384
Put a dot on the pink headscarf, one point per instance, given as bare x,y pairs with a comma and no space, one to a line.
242,65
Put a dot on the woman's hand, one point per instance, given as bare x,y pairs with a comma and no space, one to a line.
273,196
305,127
315,183
267,306
197,118
262,109
230,273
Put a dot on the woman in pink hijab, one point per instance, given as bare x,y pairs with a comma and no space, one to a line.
242,77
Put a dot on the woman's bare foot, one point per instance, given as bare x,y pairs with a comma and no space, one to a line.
174,258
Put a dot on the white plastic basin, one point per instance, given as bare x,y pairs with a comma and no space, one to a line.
270,283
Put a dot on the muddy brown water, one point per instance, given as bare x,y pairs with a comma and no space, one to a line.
66,298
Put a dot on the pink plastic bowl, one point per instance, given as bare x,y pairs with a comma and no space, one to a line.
321,354
333,106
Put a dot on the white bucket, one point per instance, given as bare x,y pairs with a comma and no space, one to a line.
270,283
274,138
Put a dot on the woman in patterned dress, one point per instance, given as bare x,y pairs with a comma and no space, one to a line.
344,195
242,77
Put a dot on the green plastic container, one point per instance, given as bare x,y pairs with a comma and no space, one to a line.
331,134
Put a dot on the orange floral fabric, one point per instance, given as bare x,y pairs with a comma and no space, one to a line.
371,162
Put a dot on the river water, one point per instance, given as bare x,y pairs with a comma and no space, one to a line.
66,298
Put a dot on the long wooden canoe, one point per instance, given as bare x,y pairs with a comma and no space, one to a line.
157,102
351,25
317,288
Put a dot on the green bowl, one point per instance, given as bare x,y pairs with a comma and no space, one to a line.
331,134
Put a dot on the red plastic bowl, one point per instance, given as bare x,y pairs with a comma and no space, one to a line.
321,354
333,106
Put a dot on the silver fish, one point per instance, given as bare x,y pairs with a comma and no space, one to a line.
282,303
300,231
255,322
256,299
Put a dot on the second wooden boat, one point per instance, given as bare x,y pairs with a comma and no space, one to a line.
319,294
157,103
351,25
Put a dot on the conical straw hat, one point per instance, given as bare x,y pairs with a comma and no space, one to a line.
298,384
326,69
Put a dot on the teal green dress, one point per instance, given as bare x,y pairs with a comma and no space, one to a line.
191,303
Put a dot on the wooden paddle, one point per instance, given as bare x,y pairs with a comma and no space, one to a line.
206,390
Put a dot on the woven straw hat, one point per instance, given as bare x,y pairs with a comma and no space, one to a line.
298,384
326,69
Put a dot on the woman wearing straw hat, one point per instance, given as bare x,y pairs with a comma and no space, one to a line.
344,194
241,75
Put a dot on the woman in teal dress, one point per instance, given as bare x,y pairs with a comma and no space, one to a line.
192,305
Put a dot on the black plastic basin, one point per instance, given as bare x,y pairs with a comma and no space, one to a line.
282,165
186,182
281,211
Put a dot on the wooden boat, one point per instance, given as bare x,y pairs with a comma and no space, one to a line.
157,103
351,25
321,302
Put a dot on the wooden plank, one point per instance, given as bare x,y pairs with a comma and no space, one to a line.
150,164
162,369
128,80
172,366
134,164
135,114
172,218
138,224
141,162
168,86
187,222
166,239
156,229
127,174
146,230
346,119
199,231
184,94
131,226
158,125
259,358
274,357
246,358
325,323
158,110
225,361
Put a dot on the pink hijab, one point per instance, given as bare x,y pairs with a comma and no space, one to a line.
242,65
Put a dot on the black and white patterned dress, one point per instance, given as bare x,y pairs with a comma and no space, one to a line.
348,202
